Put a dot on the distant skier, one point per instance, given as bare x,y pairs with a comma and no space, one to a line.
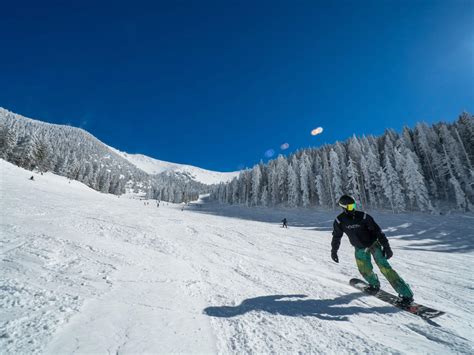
32,178
285,224
367,238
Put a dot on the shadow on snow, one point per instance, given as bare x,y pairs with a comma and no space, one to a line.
441,233
299,306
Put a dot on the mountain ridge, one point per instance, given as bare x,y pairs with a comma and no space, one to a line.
25,126
155,166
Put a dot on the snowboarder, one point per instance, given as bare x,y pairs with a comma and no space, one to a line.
367,238
285,225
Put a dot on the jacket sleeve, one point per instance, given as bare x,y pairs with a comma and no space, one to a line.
337,234
377,231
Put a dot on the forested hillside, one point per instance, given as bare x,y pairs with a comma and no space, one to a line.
419,169
76,154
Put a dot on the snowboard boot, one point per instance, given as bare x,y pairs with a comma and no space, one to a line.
404,300
371,289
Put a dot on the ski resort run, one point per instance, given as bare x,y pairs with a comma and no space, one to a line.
87,272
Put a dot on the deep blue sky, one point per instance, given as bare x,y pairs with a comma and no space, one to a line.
217,83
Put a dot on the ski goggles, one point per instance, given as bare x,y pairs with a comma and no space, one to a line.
350,207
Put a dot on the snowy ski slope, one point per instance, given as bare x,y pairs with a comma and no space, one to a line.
84,272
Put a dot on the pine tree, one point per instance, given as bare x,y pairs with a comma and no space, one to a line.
273,185
104,183
335,174
459,195
391,186
454,152
465,128
353,188
322,196
41,156
23,153
282,179
264,197
416,188
316,169
256,183
328,180
373,169
7,142
292,187
305,170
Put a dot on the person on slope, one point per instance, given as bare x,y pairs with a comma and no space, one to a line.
285,223
367,238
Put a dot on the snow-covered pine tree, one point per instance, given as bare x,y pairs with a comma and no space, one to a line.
282,179
408,139
391,186
316,169
455,154
42,155
465,128
235,190
23,153
335,174
256,183
293,188
353,188
273,184
305,170
416,190
264,197
104,182
373,166
342,156
328,180
8,140
460,197
321,196
387,188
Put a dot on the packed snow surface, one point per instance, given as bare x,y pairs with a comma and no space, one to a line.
155,166
84,272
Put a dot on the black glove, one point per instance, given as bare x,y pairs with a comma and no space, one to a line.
387,252
334,256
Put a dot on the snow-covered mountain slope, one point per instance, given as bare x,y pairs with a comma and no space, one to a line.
73,152
155,166
85,272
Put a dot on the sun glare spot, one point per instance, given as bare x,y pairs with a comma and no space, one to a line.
269,153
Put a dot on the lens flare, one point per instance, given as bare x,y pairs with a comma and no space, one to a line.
284,146
269,153
317,131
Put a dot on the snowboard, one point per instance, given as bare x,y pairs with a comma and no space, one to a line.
413,308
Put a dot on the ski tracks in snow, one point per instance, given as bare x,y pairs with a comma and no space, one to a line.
84,272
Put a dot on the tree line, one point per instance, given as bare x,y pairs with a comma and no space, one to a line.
419,169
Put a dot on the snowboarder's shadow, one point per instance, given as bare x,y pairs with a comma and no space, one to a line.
297,306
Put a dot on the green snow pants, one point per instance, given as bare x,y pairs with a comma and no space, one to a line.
364,264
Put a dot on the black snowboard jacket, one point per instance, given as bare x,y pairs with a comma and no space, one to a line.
360,228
